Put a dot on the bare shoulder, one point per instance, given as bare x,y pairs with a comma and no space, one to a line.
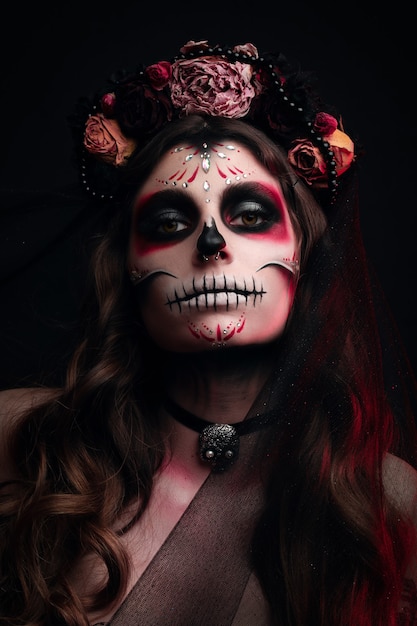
400,483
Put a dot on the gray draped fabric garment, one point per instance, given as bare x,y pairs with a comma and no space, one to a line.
202,573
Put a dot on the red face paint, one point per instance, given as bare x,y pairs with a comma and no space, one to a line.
196,298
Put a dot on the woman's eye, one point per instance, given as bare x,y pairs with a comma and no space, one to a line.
171,226
163,225
251,215
251,218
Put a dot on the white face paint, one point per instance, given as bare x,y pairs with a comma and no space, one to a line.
212,250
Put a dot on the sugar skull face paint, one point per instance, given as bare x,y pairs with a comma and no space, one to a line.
212,253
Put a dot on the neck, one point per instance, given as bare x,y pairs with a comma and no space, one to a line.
223,382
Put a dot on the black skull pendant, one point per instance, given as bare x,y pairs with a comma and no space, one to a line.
219,446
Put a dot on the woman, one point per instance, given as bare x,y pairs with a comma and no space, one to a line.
228,447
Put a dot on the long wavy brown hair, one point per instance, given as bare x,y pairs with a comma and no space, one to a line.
329,548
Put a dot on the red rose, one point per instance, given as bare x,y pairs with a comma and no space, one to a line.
325,124
159,74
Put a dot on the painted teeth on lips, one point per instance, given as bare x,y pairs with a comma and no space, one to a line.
229,299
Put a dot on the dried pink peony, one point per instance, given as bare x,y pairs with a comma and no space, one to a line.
213,86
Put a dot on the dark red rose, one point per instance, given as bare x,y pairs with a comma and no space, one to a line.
264,77
268,113
308,162
107,103
324,123
140,109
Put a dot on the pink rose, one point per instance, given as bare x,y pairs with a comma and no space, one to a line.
104,140
247,48
212,86
310,164
193,46
159,74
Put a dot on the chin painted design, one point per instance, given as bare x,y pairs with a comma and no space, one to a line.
218,336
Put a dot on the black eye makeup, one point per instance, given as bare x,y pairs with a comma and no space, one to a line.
165,216
171,215
252,208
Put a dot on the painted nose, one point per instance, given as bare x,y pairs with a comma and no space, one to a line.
210,241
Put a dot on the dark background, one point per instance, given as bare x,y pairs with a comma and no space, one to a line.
362,54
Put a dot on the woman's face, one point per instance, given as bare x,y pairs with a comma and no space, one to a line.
212,251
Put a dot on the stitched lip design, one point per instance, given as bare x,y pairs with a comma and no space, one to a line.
214,293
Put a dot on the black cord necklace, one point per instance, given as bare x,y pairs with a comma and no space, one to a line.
218,443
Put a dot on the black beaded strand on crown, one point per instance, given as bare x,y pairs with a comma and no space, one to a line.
261,62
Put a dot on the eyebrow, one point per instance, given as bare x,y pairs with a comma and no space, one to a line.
232,193
256,189
160,197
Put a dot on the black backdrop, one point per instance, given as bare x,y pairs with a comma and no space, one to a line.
364,58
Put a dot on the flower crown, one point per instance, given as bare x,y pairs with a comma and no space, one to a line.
231,82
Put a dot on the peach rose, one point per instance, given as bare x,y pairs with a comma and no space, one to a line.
104,140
